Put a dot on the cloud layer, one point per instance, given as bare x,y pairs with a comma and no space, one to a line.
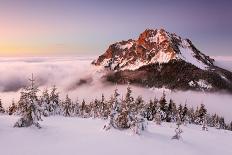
80,80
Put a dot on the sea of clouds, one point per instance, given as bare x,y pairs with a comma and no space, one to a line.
79,79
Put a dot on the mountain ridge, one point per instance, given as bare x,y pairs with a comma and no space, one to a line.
162,59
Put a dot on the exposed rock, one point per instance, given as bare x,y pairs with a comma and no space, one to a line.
161,59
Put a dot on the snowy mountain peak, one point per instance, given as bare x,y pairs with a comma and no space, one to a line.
153,46
154,36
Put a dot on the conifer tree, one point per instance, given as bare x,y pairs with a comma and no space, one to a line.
222,123
163,106
12,108
67,104
55,107
45,102
76,108
82,108
180,112
96,108
204,125
151,109
114,111
202,113
171,112
2,110
178,131
103,108
185,117
230,126
191,115
158,118
29,107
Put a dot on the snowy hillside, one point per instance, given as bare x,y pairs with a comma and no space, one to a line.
61,135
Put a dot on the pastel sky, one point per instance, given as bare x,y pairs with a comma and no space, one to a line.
79,27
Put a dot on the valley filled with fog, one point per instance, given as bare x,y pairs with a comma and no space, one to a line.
80,80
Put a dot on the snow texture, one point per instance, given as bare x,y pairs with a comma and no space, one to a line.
187,55
62,135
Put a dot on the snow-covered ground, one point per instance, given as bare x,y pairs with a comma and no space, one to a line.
61,135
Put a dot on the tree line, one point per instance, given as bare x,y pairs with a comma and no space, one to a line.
121,113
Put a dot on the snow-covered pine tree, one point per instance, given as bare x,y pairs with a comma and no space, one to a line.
2,110
126,115
150,109
163,106
114,111
55,106
178,131
45,103
133,113
180,112
204,125
185,117
171,111
191,115
95,108
29,107
230,126
158,116
222,123
82,109
140,121
67,105
138,124
139,104
104,110
13,108
76,108
217,121
202,113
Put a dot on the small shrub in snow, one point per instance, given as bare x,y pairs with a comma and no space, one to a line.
178,132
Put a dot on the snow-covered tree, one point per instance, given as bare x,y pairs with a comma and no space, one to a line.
67,106
29,107
126,115
150,109
55,107
45,103
76,108
95,108
82,108
104,110
230,126
138,124
178,131
191,115
13,108
185,118
114,111
163,106
158,118
202,113
171,112
204,125
222,124
2,110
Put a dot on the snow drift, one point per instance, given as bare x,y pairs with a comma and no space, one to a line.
61,135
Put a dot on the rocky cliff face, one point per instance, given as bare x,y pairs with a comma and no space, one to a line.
162,59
